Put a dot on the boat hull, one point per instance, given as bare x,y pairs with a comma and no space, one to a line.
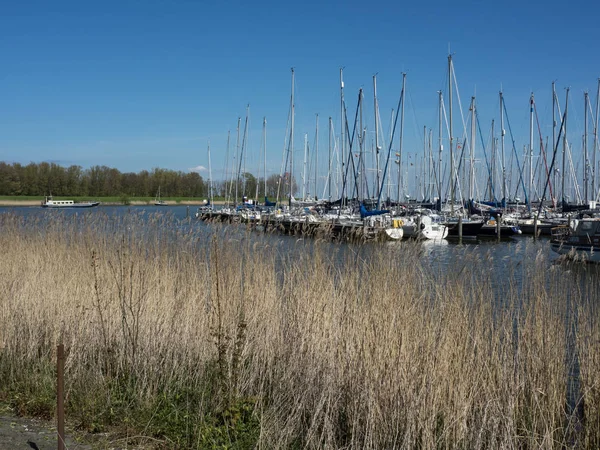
394,234
74,205
468,228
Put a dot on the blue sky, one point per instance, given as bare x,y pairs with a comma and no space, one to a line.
142,84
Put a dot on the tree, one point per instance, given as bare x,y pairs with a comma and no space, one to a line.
73,182
249,185
100,181
272,183
10,183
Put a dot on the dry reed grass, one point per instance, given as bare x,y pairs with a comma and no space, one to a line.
223,340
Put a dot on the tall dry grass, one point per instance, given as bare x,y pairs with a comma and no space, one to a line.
187,340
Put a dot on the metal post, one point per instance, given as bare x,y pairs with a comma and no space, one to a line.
60,389
460,234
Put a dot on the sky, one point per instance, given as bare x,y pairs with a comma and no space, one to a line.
137,85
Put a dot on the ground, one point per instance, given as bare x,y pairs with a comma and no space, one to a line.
18,433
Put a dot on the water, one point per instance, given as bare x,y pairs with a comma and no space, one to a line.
500,258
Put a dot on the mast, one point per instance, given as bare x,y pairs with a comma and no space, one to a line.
594,187
377,148
242,156
502,133
431,169
210,182
237,154
585,148
304,166
265,152
329,164
316,156
361,146
564,155
424,183
472,152
342,130
530,187
451,137
440,148
225,175
389,187
554,132
292,142
401,136
491,195
245,144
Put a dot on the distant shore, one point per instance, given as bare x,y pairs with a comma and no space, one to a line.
4,202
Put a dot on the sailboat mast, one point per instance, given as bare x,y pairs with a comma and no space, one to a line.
292,142
376,135
431,170
554,132
304,166
342,129
361,147
530,187
389,186
440,148
585,148
225,174
329,164
265,153
210,182
401,135
451,137
237,155
594,187
472,152
493,166
564,155
424,181
502,156
242,157
316,155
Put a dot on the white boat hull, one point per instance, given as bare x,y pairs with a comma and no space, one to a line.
394,234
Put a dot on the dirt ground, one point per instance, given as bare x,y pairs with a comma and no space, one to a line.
18,433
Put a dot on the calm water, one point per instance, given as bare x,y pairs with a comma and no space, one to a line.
511,257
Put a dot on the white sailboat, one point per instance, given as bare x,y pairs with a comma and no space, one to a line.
158,201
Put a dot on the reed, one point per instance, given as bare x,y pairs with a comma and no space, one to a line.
199,337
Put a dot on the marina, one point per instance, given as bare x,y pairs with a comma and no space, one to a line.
300,226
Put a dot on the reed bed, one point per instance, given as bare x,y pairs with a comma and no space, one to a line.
178,338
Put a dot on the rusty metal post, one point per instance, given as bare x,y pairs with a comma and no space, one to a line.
60,394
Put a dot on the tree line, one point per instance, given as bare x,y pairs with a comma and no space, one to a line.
40,179
37,179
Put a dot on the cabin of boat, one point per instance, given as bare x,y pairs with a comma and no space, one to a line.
581,238
49,202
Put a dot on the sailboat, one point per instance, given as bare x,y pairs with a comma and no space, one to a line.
158,201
